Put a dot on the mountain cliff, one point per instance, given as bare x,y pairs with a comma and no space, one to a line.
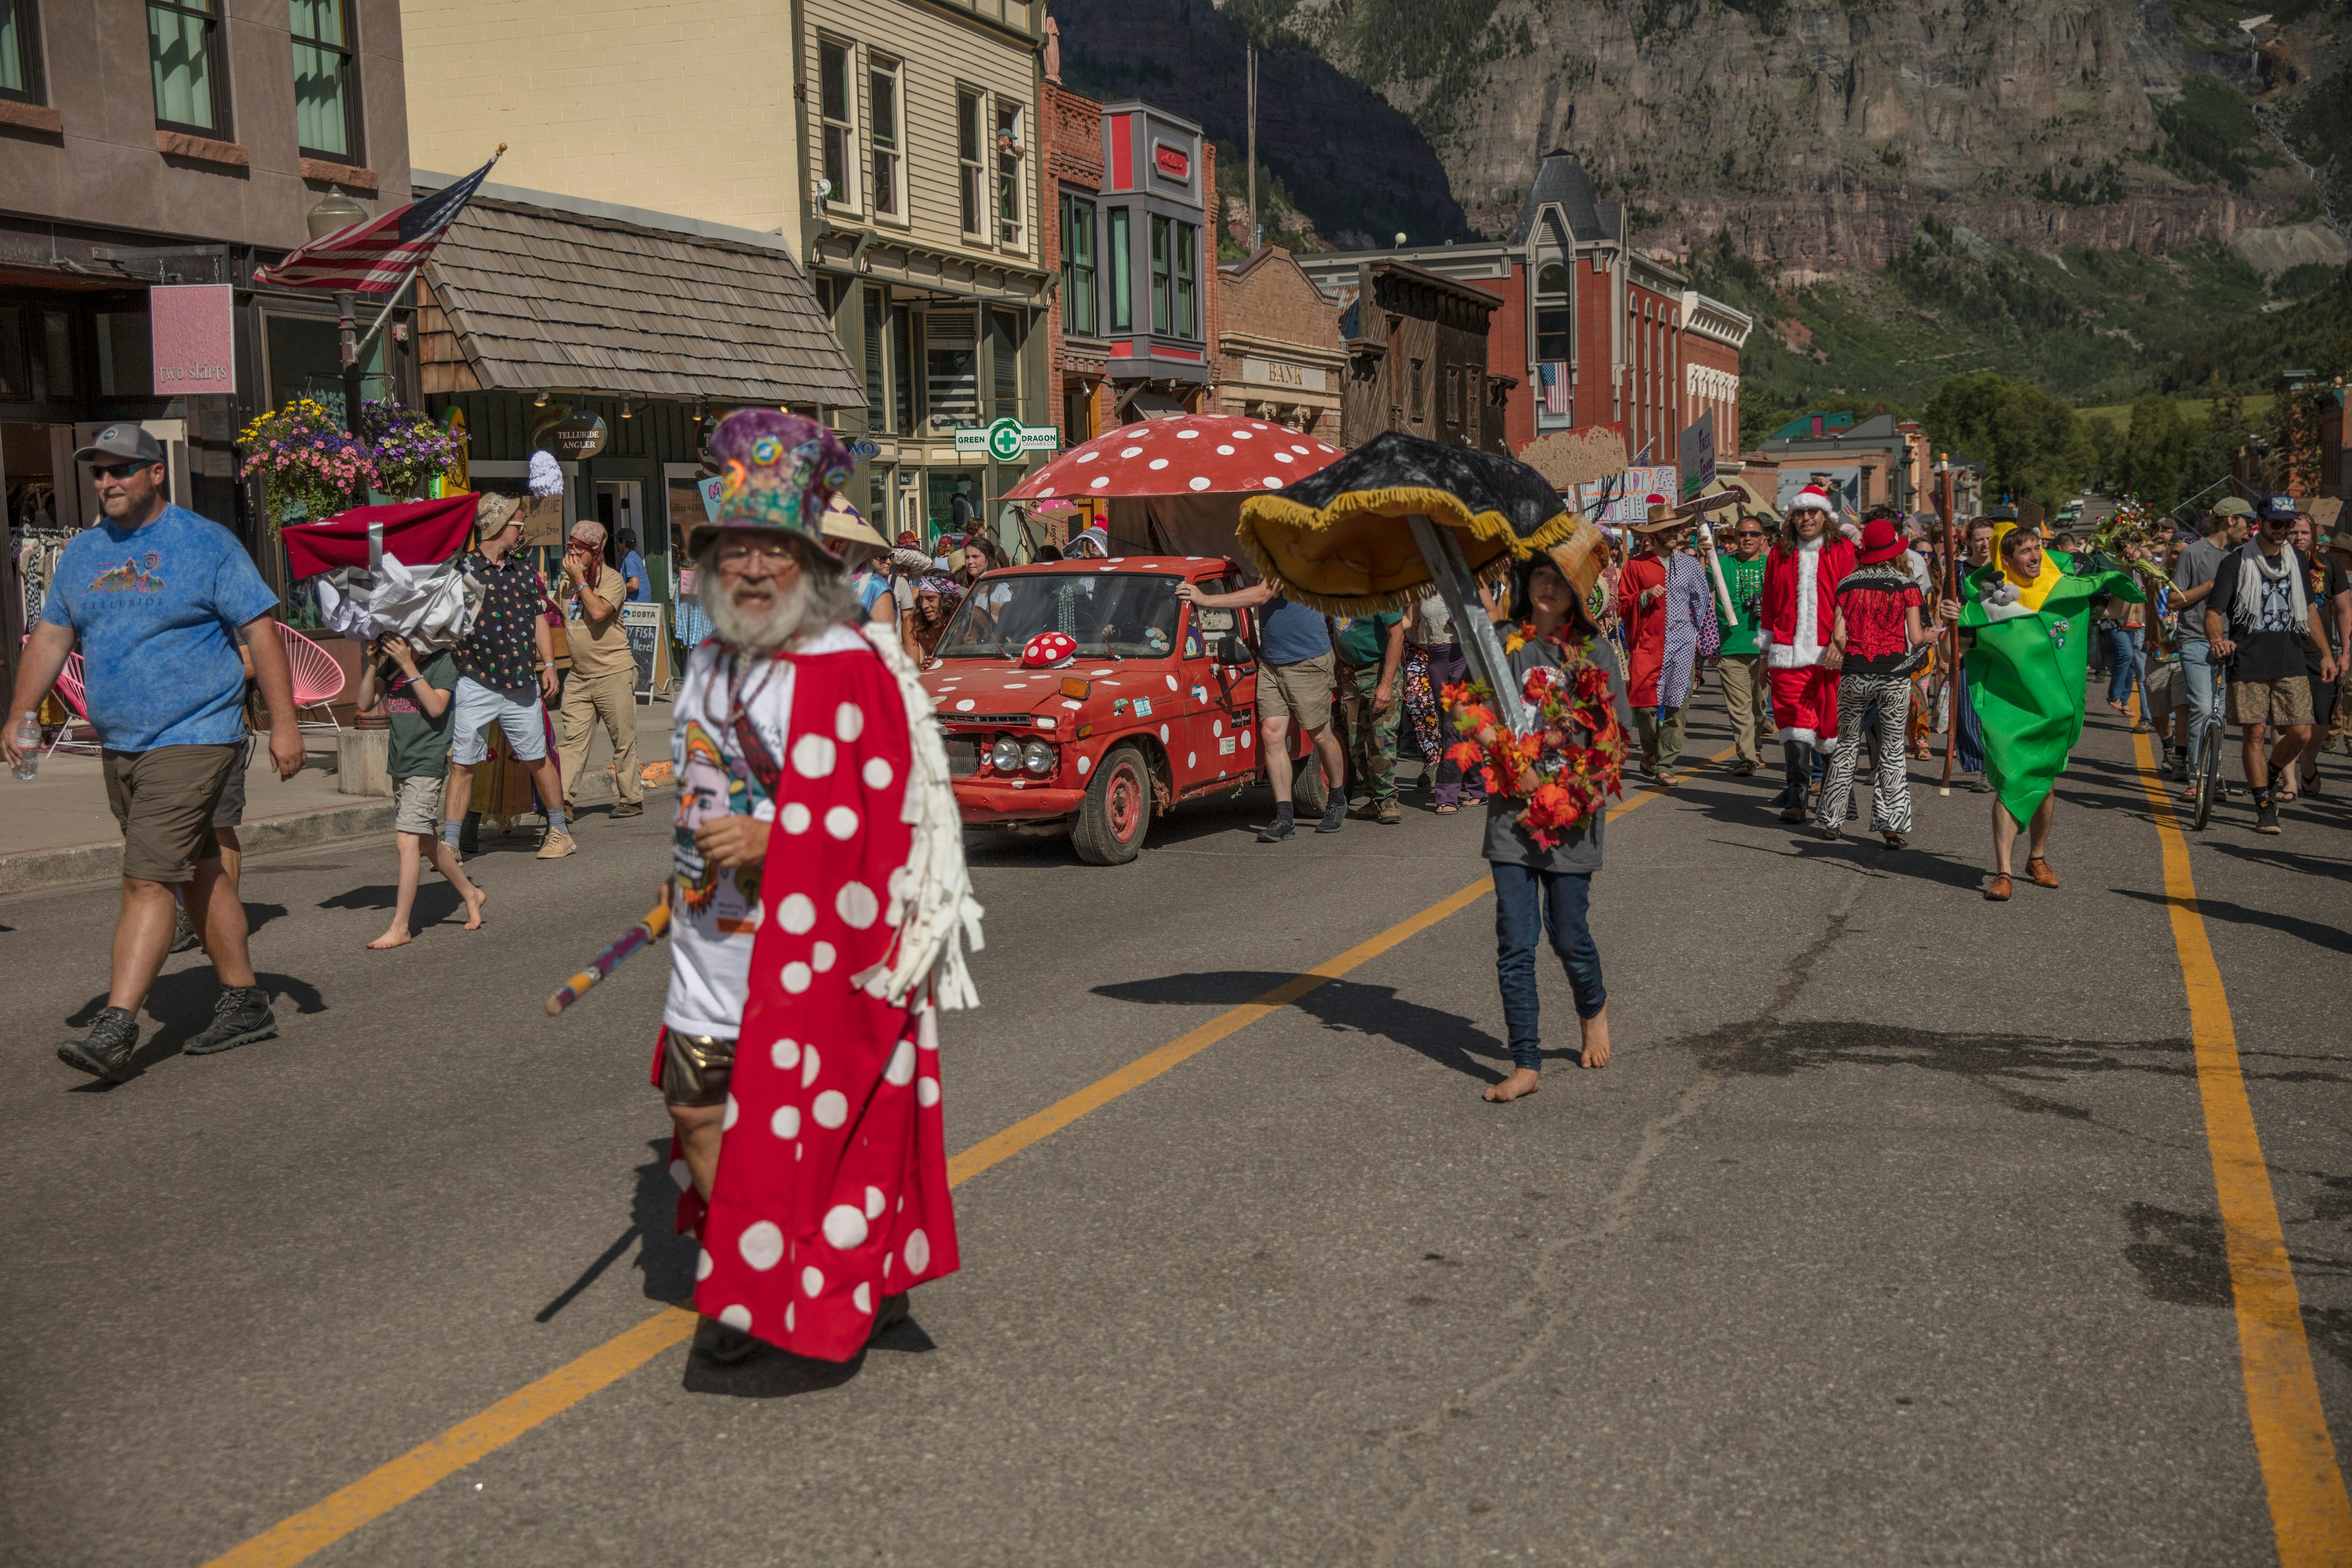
1820,133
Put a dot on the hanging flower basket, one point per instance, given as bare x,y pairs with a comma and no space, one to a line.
309,466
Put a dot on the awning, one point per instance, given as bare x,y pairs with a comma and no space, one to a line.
529,298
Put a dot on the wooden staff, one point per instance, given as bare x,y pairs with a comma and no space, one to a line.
642,934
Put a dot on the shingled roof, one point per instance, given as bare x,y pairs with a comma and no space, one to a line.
537,300
1561,182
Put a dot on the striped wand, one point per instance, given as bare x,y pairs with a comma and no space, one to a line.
655,922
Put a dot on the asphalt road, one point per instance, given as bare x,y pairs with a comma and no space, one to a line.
1890,1235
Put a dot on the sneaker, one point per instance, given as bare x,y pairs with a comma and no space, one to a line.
184,934
1335,817
105,1052
2266,817
556,845
1388,814
240,1017
1280,828
628,809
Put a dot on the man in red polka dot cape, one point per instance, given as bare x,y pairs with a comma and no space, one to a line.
821,906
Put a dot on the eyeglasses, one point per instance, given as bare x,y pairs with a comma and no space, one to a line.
118,471
773,552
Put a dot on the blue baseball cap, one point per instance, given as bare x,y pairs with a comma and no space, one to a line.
2279,508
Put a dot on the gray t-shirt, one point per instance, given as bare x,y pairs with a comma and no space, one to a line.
2195,568
1578,853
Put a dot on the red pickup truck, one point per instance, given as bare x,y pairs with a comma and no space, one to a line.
1160,706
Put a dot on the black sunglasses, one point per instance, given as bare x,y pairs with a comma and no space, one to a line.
118,471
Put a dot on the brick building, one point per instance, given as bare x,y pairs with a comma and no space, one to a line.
1591,331
1277,346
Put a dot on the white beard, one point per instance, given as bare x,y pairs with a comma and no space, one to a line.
758,631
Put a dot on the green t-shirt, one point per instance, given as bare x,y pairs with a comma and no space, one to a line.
1364,639
420,743
1746,581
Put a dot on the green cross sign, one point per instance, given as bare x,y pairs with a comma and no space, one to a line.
1007,438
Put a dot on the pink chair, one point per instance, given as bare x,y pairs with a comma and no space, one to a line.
318,679
69,691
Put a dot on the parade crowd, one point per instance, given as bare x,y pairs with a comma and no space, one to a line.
819,906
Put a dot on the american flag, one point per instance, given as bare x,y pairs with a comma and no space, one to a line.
1554,376
376,256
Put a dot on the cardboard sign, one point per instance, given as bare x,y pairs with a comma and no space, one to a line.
1697,454
542,522
1631,502
192,338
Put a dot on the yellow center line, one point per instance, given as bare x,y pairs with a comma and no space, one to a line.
2310,1515
377,1493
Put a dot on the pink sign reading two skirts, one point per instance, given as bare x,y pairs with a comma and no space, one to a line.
194,338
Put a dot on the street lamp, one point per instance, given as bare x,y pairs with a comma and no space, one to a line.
335,211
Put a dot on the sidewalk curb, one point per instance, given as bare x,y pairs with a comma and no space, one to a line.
66,865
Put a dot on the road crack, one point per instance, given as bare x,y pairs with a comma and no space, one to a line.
1615,1214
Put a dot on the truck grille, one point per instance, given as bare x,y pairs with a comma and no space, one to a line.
995,720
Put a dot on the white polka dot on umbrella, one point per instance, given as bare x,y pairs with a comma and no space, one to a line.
1216,460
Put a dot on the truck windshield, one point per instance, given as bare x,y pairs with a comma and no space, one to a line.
1129,614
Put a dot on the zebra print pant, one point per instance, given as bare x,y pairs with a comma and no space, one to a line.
1890,791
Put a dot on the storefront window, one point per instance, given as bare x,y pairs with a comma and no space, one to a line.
951,504
58,358
1078,265
126,362
1122,274
1005,365
326,102
951,367
16,364
306,360
183,53
20,71
902,369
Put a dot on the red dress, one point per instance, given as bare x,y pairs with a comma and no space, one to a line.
1645,627
1792,632
832,1190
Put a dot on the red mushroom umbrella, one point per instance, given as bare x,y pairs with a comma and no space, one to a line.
1189,454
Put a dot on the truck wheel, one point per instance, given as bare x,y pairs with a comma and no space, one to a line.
1117,813
1310,796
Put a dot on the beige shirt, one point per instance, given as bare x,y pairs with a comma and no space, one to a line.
599,651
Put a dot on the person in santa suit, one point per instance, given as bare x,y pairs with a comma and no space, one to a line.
1662,601
1801,579
818,910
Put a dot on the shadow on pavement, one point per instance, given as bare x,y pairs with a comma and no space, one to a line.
436,900
181,1005
1446,1039
2183,1260
2333,937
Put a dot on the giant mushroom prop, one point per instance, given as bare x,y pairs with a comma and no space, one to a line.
1172,486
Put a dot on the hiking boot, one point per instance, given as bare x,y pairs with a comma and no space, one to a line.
105,1052
628,809
556,845
1335,817
240,1017
1280,828
1388,814
2266,817
183,934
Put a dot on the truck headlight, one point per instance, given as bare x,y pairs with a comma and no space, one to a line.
1039,757
1006,755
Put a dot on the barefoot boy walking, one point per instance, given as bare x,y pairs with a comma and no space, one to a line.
418,701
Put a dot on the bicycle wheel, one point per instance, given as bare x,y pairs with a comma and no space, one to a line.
2209,780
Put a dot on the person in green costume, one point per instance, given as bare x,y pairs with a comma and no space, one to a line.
2029,621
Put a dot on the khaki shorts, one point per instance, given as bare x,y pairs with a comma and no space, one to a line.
2282,703
419,807
230,812
164,801
696,1069
1300,691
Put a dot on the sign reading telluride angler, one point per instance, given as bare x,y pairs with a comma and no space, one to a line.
579,437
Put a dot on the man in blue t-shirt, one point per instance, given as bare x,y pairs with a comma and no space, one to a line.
157,599
1294,678
633,568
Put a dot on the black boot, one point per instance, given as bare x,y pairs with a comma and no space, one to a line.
1799,764
105,1052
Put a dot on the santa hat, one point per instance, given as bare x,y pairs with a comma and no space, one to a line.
1812,496
1048,650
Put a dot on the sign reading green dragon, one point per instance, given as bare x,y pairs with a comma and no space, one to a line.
1007,438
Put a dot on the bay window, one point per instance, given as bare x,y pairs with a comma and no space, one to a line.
1079,272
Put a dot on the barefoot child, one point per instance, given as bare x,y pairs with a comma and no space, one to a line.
418,702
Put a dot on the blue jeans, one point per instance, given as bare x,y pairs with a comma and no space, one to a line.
1526,903
2123,651
2208,684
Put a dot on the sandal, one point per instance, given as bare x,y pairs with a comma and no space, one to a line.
2038,871
1998,889
1448,810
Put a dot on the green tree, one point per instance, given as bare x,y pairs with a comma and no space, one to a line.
2034,448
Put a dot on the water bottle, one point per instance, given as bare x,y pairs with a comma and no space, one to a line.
29,745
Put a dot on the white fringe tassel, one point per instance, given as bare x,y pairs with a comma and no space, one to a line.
931,902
